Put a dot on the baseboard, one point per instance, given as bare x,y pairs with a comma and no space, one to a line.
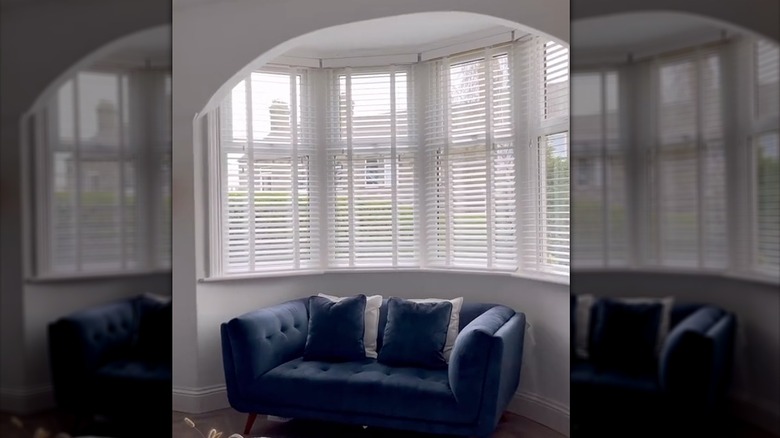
760,413
544,411
199,400
24,401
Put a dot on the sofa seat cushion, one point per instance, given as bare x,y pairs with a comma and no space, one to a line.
363,387
612,389
135,380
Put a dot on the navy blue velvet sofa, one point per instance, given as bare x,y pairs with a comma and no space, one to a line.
111,365
265,374
684,393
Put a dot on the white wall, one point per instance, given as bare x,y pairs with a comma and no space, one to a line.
760,16
756,384
40,41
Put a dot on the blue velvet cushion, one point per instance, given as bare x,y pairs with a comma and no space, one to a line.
415,333
625,335
336,329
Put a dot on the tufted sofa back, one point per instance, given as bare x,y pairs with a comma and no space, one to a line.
258,341
82,342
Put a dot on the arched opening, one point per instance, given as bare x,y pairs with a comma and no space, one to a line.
538,297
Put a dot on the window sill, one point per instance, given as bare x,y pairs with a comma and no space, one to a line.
57,278
755,277
544,277
275,274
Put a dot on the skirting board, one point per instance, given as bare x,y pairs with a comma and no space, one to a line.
539,409
26,400
200,400
546,412
761,413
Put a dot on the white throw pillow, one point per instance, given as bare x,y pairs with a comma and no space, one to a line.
582,325
371,321
452,330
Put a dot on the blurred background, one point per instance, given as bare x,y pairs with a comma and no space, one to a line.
86,207
675,193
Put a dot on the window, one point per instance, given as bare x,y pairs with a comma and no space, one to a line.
372,178
767,78
101,158
600,192
545,202
765,254
265,154
688,192
703,186
470,140
396,195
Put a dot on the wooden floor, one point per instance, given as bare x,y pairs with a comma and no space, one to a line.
229,421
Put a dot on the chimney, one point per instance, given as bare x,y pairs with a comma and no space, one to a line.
107,119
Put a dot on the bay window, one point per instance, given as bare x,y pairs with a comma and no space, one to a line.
434,164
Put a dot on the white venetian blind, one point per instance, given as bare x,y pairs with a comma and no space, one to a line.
599,210
102,183
688,189
371,169
767,78
766,257
470,149
545,197
556,81
266,148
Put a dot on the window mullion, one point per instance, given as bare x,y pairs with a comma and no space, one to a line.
604,166
122,207
445,97
521,139
77,174
294,167
489,156
43,123
250,171
700,148
350,169
393,169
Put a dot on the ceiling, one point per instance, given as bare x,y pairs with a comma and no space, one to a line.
395,35
641,32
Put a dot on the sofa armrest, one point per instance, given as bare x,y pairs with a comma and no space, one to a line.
83,341
484,368
256,342
695,362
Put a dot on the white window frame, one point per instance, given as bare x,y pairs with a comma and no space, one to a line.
738,76
152,246
415,101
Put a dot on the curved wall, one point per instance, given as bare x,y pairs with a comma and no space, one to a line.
760,16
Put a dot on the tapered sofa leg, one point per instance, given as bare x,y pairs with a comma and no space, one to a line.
250,420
